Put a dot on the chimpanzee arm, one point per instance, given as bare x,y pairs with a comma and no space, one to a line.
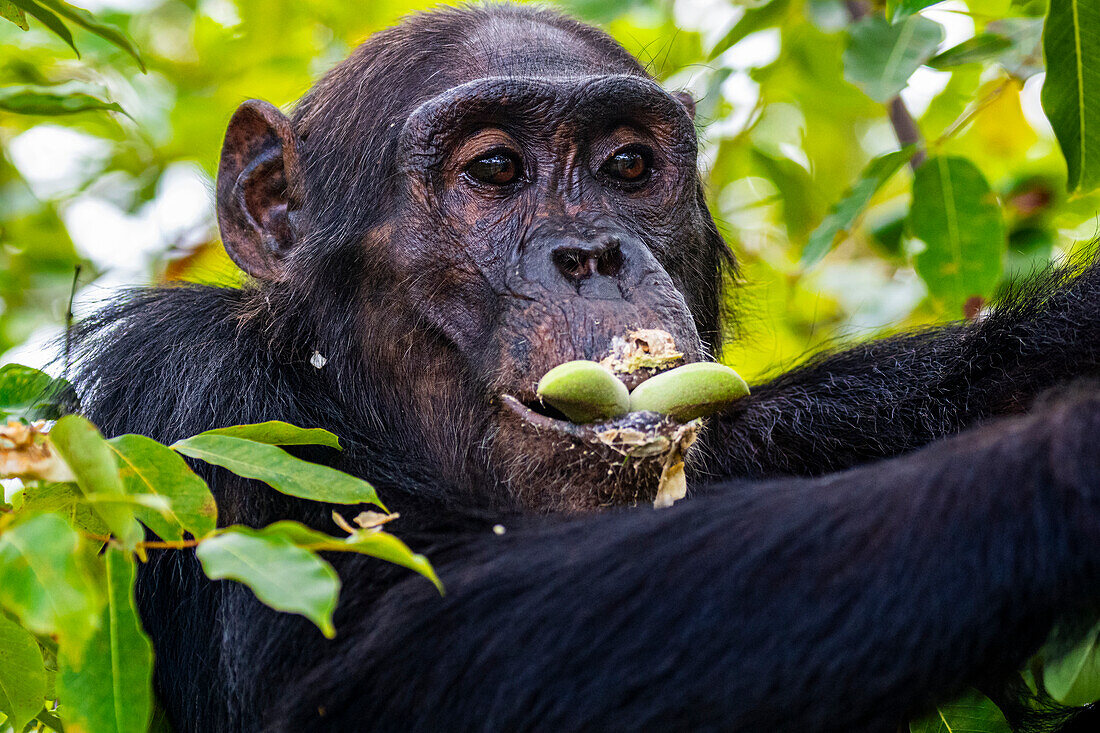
894,395
841,603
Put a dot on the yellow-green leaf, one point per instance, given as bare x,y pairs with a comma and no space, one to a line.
276,432
92,460
8,11
371,542
844,213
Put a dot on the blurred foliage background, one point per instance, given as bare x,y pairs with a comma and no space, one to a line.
785,118
876,166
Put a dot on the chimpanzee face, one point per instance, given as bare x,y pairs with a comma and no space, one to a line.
533,219
552,205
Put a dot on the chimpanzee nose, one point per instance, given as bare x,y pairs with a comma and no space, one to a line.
579,260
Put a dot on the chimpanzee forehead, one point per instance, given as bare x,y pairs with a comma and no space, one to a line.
520,46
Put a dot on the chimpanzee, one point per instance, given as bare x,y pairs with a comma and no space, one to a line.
473,197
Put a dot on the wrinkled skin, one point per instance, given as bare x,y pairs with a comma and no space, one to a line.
509,280
864,536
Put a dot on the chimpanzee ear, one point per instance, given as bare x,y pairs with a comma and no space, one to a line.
687,100
259,189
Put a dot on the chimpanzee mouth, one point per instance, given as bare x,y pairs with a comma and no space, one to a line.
637,434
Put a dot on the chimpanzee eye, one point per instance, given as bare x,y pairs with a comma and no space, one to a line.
629,164
498,167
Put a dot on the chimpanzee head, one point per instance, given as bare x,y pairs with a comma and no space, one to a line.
472,198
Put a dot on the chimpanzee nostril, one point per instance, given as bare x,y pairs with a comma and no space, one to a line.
574,262
578,263
610,262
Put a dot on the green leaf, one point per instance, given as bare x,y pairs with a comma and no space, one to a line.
64,499
30,394
8,11
1071,45
278,469
276,432
282,575
371,542
970,713
956,215
981,47
112,690
881,57
44,582
1024,59
43,101
92,460
754,19
86,20
48,19
843,215
1074,677
900,9
22,674
799,198
147,467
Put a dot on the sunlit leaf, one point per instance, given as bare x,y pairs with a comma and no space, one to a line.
48,19
276,432
147,467
92,460
970,713
957,216
1073,678
882,56
1071,45
981,47
67,500
86,20
377,544
281,574
278,469
43,101
843,215
8,11
22,674
30,394
112,689
754,19
44,582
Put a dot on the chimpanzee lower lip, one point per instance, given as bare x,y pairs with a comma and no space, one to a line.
590,432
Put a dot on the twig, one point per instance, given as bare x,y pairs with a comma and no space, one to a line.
69,322
905,127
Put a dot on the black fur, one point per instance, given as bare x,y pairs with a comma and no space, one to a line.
869,533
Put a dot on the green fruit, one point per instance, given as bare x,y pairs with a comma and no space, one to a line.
690,391
584,391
